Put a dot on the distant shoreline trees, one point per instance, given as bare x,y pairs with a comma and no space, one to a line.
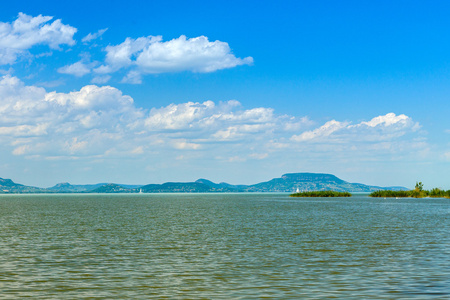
417,192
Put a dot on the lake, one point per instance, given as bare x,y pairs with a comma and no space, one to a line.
223,246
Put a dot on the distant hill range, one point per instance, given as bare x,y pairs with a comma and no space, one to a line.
287,183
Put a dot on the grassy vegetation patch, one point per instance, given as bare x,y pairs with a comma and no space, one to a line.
417,192
321,194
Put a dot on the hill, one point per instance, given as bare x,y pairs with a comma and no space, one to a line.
112,188
9,186
310,182
289,182
66,187
186,187
302,181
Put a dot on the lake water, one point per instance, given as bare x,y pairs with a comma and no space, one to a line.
223,246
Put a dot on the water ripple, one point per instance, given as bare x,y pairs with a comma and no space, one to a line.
223,247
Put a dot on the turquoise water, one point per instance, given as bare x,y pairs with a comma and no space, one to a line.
223,246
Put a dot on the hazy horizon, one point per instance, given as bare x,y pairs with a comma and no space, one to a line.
159,91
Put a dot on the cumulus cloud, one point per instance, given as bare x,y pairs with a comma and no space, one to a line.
222,122
387,120
150,55
384,127
100,122
27,31
97,120
382,133
81,68
67,121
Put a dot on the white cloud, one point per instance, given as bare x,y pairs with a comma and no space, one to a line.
259,156
5,72
238,132
236,159
323,131
51,84
183,144
195,54
150,55
138,150
24,130
93,36
77,69
102,79
56,118
384,128
21,150
133,77
82,67
224,122
27,31
178,117
387,120
99,122
381,128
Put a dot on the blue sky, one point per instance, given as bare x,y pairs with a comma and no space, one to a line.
154,91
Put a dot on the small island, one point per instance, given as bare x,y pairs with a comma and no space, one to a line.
321,194
417,192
